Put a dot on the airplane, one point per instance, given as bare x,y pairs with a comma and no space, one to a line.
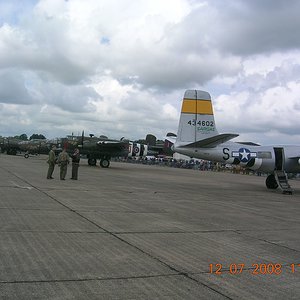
92,147
198,137
9,145
12,146
103,148
36,146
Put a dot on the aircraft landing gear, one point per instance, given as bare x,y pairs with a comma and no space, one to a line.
92,161
104,163
271,182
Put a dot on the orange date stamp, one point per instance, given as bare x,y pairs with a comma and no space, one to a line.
254,269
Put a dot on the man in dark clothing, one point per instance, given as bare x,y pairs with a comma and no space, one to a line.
75,164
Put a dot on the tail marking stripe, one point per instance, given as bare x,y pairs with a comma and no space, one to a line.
192,106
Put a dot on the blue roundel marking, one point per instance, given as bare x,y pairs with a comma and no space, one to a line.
244,155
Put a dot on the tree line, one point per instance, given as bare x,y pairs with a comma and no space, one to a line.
34,136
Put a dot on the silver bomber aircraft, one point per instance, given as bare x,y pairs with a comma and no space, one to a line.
198,137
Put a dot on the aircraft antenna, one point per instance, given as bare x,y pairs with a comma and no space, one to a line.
82,138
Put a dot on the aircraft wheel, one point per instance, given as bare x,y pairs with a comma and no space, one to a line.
26,155
104,163
271,182
92,161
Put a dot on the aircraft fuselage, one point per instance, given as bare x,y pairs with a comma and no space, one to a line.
259,158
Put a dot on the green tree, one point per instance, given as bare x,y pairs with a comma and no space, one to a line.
23,137
36,136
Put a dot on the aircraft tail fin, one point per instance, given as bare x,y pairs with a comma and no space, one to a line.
197,126
197,120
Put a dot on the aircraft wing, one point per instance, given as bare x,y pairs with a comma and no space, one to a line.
248,143
213,141
112,145
110,142
294,157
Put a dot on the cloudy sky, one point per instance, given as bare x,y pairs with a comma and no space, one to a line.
120,67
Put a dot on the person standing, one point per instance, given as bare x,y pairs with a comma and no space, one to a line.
75,164
51,162
63,160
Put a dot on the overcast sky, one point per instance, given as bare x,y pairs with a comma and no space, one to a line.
120,67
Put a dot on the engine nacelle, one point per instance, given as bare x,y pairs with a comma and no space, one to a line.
136,149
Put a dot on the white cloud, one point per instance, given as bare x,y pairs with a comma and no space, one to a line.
120,68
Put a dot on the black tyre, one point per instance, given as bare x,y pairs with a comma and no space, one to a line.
92,161
271,182
104,163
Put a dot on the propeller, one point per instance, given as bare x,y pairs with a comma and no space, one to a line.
82,139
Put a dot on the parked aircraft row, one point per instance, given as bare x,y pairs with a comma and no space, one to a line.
94,148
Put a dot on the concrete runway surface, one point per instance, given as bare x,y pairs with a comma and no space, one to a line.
145,232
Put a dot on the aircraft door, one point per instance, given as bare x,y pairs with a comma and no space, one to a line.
279,159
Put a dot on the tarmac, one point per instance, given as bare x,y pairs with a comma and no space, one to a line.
145,232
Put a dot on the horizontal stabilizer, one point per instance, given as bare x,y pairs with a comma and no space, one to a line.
249,143
294,157
171,139
213,141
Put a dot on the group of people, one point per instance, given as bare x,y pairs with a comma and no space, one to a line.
63,160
